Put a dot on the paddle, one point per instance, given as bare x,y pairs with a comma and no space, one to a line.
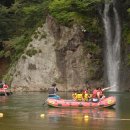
6,94
45,100
108,88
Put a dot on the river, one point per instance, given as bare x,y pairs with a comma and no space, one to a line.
25,111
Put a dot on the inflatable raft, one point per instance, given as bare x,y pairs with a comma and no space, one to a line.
5,92
62,103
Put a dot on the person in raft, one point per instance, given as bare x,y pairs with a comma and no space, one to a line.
3,87
86,95
79,95
74,93
52,92
98,95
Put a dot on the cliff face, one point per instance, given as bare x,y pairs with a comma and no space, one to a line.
55,55
125,46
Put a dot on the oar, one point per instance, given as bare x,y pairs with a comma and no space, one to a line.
6,94
45,100
108,88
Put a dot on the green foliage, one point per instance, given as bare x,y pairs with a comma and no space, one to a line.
92,48
128,38
7,78
34,15
7,54
18,23
29,1
126,28
128,10
72,10
1,53
82,12
22,17
5,23
15,48
30,9
31,52
36,36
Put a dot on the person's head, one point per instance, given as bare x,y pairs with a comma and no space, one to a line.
87,88
99,88
54,84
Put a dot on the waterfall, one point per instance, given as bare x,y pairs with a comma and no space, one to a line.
112,40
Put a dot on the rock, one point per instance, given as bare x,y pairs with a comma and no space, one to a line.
55,54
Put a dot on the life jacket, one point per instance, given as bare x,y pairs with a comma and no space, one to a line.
84,92
51,90
86,97
74,96
94,95
79,97
5,86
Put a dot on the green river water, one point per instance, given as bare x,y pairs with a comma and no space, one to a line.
25,111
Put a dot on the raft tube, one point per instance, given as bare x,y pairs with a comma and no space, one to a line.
2,92
62,103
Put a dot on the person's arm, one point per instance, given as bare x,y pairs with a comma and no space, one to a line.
98,95
57,90
106,88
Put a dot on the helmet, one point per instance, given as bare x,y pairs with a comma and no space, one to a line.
54,84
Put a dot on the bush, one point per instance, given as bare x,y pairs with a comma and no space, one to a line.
74,11
2,54
92,48
31,52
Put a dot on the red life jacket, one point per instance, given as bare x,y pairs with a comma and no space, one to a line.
94,93
5,86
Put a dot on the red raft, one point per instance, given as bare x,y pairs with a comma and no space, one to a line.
4,91
61,103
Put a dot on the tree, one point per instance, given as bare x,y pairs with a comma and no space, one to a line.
6,3
72,10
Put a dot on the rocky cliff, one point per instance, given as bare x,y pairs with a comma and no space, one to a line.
55,54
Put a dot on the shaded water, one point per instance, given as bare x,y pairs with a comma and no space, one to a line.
24,111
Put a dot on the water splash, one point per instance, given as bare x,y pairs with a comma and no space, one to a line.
112,39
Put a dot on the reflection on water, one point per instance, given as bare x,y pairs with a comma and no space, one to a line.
81,113
24,111
79,118
3,99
